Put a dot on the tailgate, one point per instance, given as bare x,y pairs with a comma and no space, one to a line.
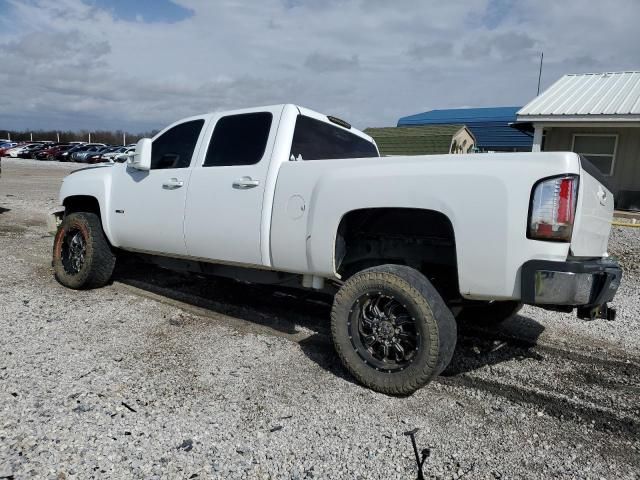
593,214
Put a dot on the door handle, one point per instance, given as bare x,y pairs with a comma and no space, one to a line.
172,184
245,183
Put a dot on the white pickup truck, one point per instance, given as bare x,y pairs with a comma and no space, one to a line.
406,245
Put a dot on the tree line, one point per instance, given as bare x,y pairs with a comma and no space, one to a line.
117,137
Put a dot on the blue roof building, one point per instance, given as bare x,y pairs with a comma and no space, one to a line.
491,126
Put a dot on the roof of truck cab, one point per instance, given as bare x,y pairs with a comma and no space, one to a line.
303,111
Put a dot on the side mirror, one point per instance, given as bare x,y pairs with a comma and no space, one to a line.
141,159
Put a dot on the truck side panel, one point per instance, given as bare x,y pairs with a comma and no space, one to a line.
485,197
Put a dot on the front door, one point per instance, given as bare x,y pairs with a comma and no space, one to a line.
224,202
148,206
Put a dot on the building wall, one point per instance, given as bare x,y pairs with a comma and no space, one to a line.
462,142
626,170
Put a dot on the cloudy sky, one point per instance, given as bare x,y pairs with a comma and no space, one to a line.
138,65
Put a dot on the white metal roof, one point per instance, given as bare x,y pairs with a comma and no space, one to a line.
589,96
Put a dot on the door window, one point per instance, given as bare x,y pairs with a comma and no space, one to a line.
598,149
317,140
239,139
174,148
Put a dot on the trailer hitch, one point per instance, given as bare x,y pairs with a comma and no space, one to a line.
593,312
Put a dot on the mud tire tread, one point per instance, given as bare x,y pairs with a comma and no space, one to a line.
435,317
99,260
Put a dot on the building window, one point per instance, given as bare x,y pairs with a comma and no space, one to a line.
598,149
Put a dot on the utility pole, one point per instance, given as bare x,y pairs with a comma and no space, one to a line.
58,135
540,72
124,139
31,136
9,136
89,137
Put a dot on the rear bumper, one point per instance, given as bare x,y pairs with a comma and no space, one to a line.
574,283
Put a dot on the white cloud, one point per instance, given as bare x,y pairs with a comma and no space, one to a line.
66,64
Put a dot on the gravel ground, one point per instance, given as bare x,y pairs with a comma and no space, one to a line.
161,375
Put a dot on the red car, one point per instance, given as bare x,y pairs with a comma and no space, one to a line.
52,153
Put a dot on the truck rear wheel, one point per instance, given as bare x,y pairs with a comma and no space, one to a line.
82,257
392,330
489,313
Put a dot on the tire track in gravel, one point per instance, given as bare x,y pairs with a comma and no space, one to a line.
599,392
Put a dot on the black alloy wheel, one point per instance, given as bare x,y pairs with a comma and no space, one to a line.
383,332
74,249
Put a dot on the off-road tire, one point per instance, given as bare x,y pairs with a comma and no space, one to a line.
433,319
99,259
490,314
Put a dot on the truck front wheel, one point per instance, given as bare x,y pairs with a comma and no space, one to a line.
391,329
82,257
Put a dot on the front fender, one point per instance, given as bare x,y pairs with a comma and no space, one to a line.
92,182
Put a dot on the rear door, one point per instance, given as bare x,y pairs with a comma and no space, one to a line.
224,203
148,206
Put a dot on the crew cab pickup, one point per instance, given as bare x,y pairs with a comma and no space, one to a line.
407,245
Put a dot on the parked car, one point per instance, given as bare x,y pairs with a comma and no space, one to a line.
50,153
82,151
4,152
82,156
6,146
13,151
66,155
124,156
37,149
30,152
22,151
98,157
110,155
289,196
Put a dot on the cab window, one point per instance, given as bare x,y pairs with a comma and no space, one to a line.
174,148
317,140
239,139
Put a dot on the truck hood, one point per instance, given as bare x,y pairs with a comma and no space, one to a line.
100,165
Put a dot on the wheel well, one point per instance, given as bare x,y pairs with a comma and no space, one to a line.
421,239
81,203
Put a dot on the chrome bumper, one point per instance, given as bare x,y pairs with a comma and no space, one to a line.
572,283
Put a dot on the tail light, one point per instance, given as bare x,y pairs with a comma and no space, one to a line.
553,209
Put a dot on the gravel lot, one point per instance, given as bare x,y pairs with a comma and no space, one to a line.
161,375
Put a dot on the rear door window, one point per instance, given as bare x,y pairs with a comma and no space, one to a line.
317,140
239,139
